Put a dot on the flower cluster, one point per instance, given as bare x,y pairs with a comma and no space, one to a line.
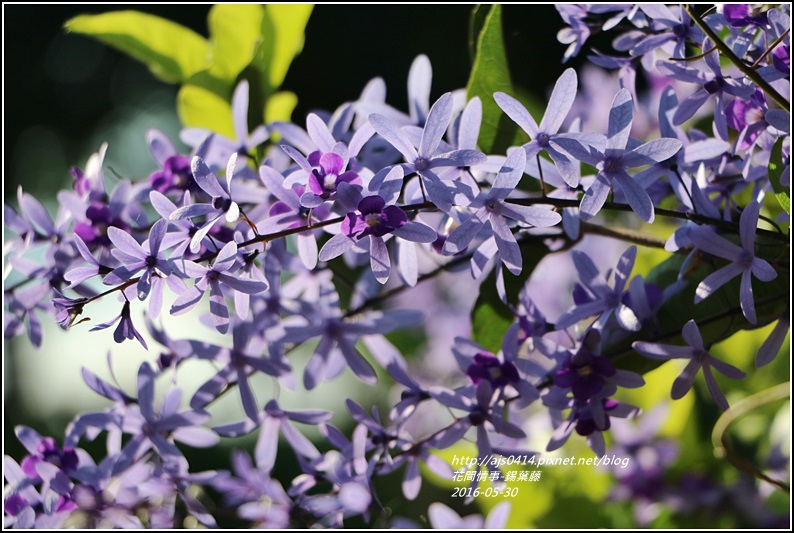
299,244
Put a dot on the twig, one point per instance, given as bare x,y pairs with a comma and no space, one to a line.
741,65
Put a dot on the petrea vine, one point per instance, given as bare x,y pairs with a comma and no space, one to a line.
333,237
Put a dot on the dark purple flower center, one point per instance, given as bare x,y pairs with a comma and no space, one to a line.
15,504
745,259
478,416
681,30
222,203
374,218
585,374
48,450
175,174
613,164
716,85
421,164
543,140
486,366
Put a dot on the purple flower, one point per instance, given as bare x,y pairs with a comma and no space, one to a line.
491,208
585,372
338,338
442,517
481,365
544,136
153,430
426,158
125,329
215,277
698,356
613,162
742,260
375,217
676,26
479,410
323,182
221,206
256,496
218,148
271,420
67,309
712,82
78,275
741,15
288,212
239,362
590,419
575,36
134,258
594,296
175,173
44,449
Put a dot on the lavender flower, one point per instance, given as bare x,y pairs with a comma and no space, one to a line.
595,297
442,517
426,158
613,162
135,258
712,82
254,493
585,372
218,148
339,335
213,277
239,362
152,430
545,137
375,217
175,173
222,205
742,260
698,356
492,209
125,329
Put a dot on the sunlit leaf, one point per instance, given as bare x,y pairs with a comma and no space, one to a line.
279,107
171,51
776,167
283,28
235,32
490,74
199,107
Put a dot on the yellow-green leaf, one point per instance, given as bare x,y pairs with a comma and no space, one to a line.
488,75
279,107
283,29
198,107
171,51
235,32
782,193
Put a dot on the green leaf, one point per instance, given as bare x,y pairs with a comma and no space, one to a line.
283,28
171,51
490,317
235,32
476,22
200,107
279,107
719,316
776,166
490,74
